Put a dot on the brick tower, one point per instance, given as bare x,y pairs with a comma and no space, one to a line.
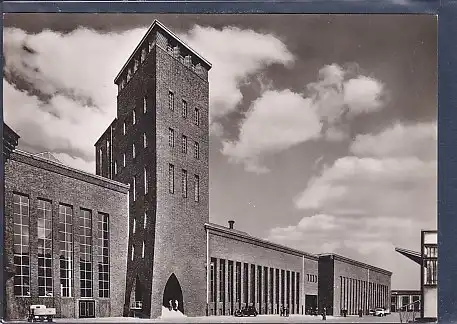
159,144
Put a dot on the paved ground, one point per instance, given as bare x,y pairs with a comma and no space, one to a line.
393,318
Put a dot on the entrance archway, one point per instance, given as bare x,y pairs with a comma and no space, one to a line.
173,292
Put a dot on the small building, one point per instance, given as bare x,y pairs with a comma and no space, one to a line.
244,270
405,300
65,239
346,284
427,258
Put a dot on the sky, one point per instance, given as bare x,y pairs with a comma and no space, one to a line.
323,128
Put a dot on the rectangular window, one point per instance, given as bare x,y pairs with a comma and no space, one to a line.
171,178
85,243
259,285
134,226
103,265
196,188
222,281
133,252
145,104
171,137
44,226
196,150
184,144
145,176
134,188
21,245
123,128
123,160
115,167
230,281
100,158
66,250
212,283
184,109
252,282
184,183
197,117
238,282
145,141
133,151
133,117
142,251
145,219
171,100
245,282
430,272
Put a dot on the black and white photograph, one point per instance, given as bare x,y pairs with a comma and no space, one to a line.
220,168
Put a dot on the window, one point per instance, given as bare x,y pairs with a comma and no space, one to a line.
184,144
196,188
103,265
145,219
44,226
115,167
100,154
184,109
430,272
142,251
134,188
171,137
145,141
123,128
197,117
212,279
133,252
21,245
135,65
171,100
171,178
145,104
133,151
430,251
133,117
184,183
123,160
145,175
222,281
66,250
196,150
85,243
134,226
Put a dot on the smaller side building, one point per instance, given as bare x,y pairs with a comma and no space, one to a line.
346,284
244,270
65,239
402,299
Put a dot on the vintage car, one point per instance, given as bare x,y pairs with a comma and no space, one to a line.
40,313
246,311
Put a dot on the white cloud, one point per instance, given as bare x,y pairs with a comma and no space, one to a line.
279,120
235,54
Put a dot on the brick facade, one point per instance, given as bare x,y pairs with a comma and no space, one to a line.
39,179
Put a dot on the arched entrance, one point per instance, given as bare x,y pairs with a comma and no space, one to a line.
173,292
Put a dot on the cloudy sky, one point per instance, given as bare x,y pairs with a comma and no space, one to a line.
323,127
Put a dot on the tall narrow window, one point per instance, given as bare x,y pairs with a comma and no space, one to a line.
196,150
145,141
134,188
103,265
222,281
197,116
133,117
44,226
134,226
171,137
115,167
133,151
196,188
184,183
145,219
133,252
184,144
142,251
21,245
85,243
145,176
171,100
123,128
145,104
66,250
212,279
184,109
143,55
171,178
100,154
123,160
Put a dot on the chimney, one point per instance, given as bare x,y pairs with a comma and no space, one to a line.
231,222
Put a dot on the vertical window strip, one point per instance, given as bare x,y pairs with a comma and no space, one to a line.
171,178
196,188
44,226
104,259
66,250
184,183
85,262
21,245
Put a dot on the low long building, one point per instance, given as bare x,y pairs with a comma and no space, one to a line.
346,284
405,299
65,239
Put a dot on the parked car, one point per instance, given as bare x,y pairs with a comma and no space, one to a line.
380,312
40,313
246,311
371,312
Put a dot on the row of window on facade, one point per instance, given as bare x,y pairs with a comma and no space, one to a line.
283,285
184,182
430,264
146,48
66,230
407,302
311,277
171,143
362,295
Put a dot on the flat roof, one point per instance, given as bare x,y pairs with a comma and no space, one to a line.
255,240
355,262
71,172
158,24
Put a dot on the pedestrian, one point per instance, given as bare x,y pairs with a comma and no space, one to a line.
324,314
170,305
176,304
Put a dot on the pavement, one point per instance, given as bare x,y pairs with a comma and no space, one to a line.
392,318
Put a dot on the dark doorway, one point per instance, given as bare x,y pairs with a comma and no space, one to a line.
310,304
86,309
173,292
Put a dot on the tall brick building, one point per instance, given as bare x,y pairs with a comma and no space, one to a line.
159,145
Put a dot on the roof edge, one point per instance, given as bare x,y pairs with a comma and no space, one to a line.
359,263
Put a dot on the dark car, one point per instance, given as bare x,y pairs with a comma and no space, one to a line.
246,311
